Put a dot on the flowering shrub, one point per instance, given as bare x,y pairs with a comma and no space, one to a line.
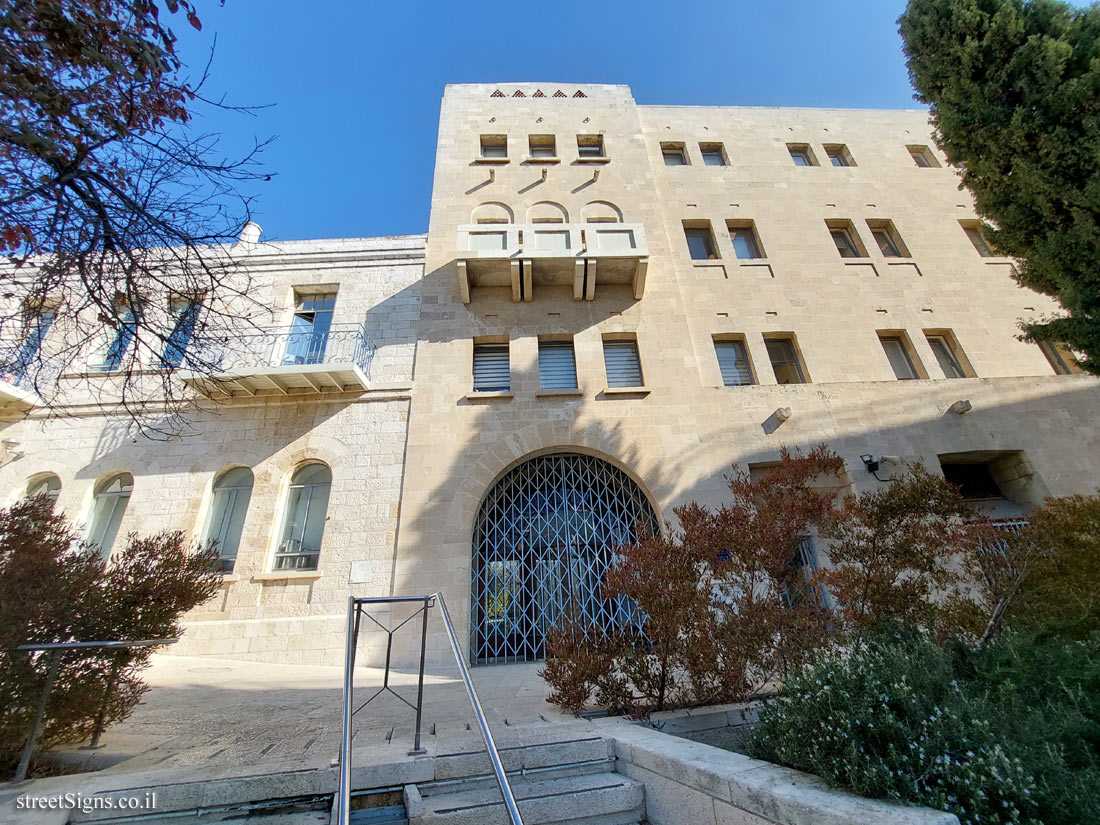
1008,736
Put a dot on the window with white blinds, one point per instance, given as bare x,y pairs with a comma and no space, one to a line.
733,362
620,358
557,366
491,368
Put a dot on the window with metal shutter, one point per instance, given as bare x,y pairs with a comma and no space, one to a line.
491,368
623,367
733,362
557,367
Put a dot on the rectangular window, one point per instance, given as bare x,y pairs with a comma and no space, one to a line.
714,154
624,368
889,241
674,154
975,481
590,146
746,245
494,147
733,363
183,313
973,231
798,583
898,355
309,328
838,155
846,240
557,366
801,154
35,326
1061,358
946,354
922,156
700,242
126,318
491,373
542,146
785,363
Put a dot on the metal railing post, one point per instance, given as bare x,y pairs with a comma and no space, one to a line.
417,750
28,749
343,814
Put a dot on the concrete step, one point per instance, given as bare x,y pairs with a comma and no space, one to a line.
589,799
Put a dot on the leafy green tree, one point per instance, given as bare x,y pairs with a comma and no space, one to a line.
1014,93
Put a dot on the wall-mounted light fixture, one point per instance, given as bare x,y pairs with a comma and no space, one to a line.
874,464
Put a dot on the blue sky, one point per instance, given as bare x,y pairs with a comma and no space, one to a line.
353,88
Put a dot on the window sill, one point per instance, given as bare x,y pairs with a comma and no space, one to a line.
286,575
574,392
503,395
707,262
640,390
593,160
491,161
229,578
541,160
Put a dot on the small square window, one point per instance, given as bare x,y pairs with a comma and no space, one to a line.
888,240
542,146
801,154
973,231
838,155
733,362
674,154
590,146
922,156
947,353
846,240
897,353
491,371
494,147
557,366
746,245
624,368
700,243
714,154
785,362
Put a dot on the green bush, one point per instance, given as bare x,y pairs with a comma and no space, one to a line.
1009,735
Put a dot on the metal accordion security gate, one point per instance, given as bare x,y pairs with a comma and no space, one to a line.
543,540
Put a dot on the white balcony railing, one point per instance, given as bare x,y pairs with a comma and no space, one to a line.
524,256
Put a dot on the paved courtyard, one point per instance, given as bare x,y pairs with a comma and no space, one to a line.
204,711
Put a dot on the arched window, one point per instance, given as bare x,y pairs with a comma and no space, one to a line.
304,522
48,485
601,212
492,212
111,498
228,505
547,212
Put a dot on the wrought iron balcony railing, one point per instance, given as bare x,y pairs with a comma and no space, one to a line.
283,359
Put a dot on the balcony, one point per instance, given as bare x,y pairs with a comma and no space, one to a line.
284,361
17,391
524,256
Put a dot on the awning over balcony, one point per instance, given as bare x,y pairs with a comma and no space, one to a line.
524,256
282,362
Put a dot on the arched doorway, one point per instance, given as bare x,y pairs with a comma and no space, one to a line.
543,539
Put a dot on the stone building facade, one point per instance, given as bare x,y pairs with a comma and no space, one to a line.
614,304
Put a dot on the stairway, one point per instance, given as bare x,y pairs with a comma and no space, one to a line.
559,774
558,781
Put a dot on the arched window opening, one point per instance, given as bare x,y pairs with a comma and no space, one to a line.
547,212
543,540
228,506
111,498
47,485
601,212
304,522
492,212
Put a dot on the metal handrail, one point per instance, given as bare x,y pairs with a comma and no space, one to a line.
343,798
57,650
